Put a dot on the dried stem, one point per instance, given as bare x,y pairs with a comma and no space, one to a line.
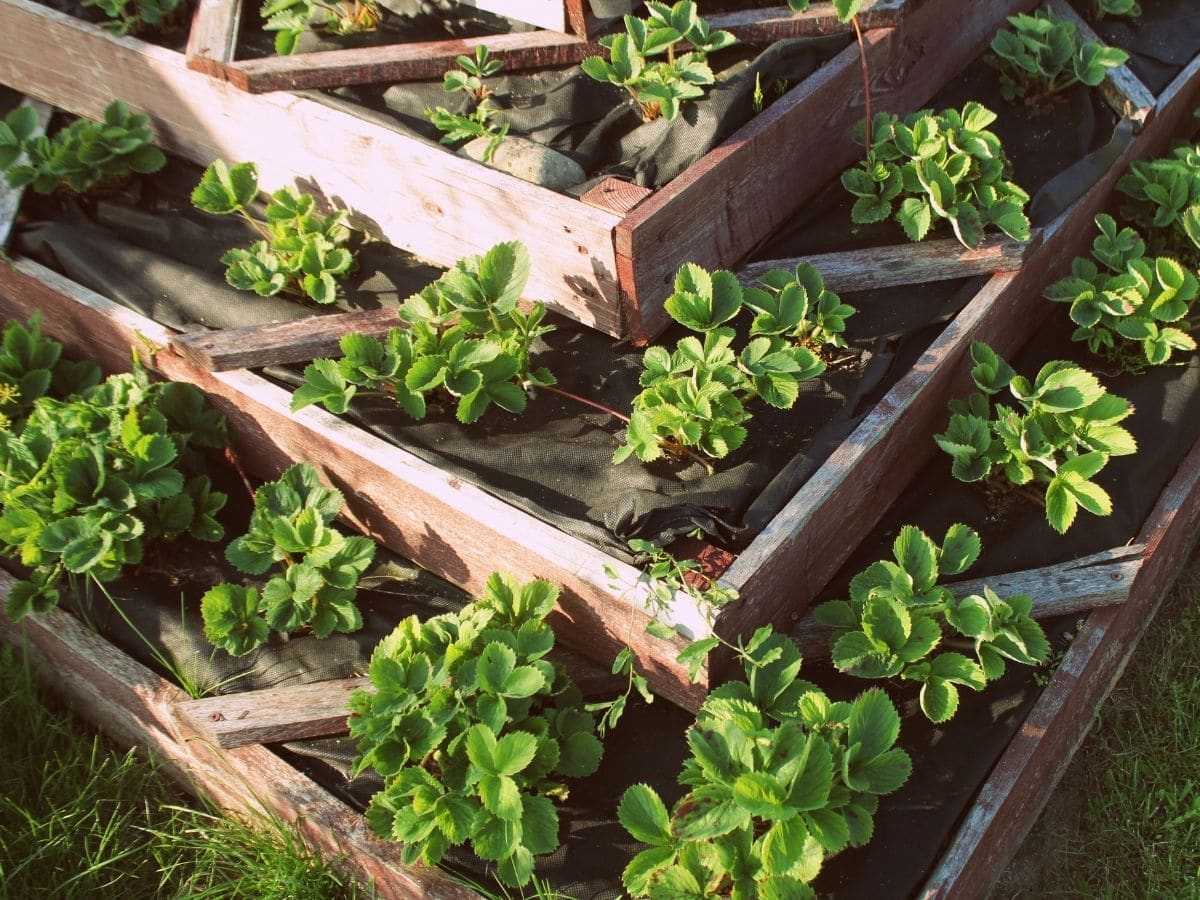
862,55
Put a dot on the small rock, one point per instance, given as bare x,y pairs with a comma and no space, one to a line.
529,161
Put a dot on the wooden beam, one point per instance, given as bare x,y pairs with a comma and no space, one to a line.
878,267
213,35
1102,579
549,14
616,195
10,197
779,22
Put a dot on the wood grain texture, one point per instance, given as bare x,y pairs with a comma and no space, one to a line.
10,197
440,522
723,206
414,195
616,195
286,342
213,35
1102,579
791,560
416,61
136,708
877,267
779,22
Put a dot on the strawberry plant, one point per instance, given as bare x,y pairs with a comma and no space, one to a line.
82,156
779,777
291,18
658,88
302,252
696,396
1164,201
138,16
1059,436
1102,8
844,9
92,481
1043,55
31,366
1130,310
474,731
480,122
945,166
314,567
897,616
465,338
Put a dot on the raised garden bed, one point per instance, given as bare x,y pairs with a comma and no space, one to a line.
606,260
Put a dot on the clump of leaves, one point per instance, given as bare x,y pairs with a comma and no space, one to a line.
291,18
1130,310
482,120
668,574
1164,201
303,251
897,616
83,155
465,338
139,16
696,396
32,366
1130,8
1059,435
474,731
90,482
315,567
779,777
658,88
946,166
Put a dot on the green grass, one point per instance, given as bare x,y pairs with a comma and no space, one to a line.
79,819
1125,823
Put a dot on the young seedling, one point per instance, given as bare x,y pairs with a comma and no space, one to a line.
465,339
1164,201
694,399
1134,311
1060,435
1043,55
659,87
315,568
928,167
291,18
480,122
82,156
779,777
474,731
139,16
897,616
302,252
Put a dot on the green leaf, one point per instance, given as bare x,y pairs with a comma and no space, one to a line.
642,813
960,550
874,724
939,700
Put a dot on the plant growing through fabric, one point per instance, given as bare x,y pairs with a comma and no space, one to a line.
898,615
313,568
482,121
695,398
474,731
1042,55
1129,8
658,87
302,251
1164,201
139,16
1131,309
91,482
926,167
291,18
779,777
83,156
1057,437
465,339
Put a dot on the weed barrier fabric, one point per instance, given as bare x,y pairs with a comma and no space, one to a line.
597,124
1160,42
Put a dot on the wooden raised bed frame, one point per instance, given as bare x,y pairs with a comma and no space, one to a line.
610,268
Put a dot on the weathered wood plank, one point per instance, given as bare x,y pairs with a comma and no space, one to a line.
877,267
549,14
1103,579
779,22
693,218
1122,90
403,62
213,35
416,196
616,195
286,342
450,527
10,197
135,707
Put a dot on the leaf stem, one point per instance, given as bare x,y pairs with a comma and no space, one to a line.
862,55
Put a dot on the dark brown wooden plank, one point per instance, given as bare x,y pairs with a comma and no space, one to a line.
10,197
616,195
135,707
696,218
213,35
877,267
779,22
403,62
286,342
